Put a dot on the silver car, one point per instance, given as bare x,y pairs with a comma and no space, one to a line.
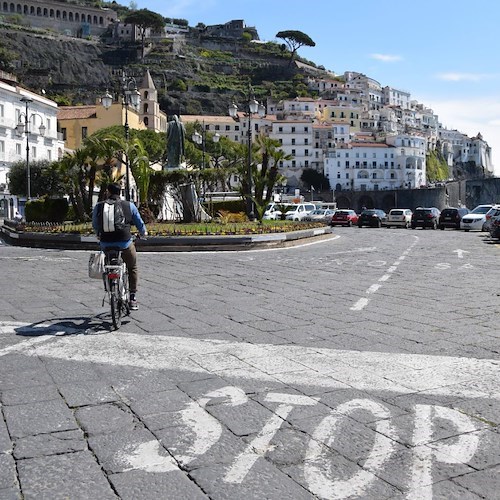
399,217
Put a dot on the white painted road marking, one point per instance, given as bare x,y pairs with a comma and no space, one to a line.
460,253
361,303
373,371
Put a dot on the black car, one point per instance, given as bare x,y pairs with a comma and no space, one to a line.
425,217
451,217
372,217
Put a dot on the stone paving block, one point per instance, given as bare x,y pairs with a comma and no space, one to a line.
141,485
485,483
417,468
8,479
242,420
203,446
39,418
5,442
138,449
263,480
89,392
26,395
19,378
449,490
10,494
74,475
106,418
160,402
56,443
63,372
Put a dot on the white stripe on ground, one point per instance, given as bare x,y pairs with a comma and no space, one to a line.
361,303
292,365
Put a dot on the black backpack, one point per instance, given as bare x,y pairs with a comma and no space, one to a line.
113,217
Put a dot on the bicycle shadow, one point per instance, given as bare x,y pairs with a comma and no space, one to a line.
77,325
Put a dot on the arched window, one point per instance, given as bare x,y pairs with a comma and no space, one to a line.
146,94
70,16
64,15
39,11
362,175
58,14
101,20
45,12
146,121
146,108
32,11
12,7
51,13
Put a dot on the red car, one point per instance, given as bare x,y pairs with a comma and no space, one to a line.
344,218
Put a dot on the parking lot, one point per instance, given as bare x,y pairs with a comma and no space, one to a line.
366,365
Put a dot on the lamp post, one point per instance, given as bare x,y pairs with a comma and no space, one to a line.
252,107
130,97
24,128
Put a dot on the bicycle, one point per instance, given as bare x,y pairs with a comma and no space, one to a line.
116,285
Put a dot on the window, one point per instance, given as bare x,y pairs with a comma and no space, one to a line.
84,132
18,149
293,163
306,129
306,152
33,152
49,155
338,175
236,128
2,147
293,142
217,127
306,163
293,152
347,175
280,129
306,141
293,130
1,111
374,175
228,128
48,124
347,164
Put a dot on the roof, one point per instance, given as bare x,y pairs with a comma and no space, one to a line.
76,112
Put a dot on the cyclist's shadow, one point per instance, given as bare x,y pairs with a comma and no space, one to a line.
77,325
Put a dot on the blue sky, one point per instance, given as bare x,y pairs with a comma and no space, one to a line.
444,52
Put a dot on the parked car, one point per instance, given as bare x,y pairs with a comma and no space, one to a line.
474,220
299,211
425,217
399,217
451,217
488,218
495,227
372,217
344,218
320,215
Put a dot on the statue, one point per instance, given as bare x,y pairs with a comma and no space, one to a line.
175,142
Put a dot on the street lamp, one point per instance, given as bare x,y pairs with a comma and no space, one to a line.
252,107
24,128
130,97
200,139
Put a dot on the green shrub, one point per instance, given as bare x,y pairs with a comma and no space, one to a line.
47,210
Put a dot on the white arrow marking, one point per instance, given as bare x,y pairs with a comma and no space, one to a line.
460,253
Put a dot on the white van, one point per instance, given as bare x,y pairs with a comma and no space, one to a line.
299,211
273,210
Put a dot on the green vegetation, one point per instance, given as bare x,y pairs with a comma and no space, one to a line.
437,168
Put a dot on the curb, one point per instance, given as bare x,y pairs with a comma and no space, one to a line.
164,243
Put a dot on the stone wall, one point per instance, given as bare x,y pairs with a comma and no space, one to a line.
71,19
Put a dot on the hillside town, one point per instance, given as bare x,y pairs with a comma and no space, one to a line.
361,134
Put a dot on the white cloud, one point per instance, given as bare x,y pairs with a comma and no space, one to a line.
461,77
386,57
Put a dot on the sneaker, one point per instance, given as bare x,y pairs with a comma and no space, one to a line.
133,305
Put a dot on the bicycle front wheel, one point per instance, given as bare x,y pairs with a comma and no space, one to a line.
116,305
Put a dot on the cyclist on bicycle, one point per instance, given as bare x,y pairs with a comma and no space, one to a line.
112,220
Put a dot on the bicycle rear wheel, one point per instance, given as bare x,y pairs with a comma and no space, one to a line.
116,305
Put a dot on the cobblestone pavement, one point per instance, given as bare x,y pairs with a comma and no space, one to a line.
363,366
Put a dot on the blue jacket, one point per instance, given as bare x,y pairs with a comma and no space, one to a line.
136,221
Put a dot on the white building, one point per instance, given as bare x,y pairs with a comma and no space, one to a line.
363,165
42,142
